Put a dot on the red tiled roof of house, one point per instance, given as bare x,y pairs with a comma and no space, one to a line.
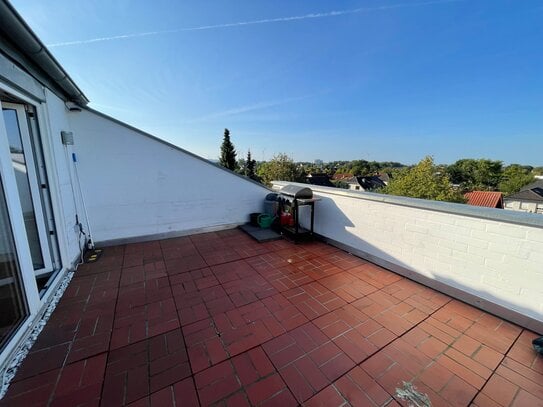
340,177
485,198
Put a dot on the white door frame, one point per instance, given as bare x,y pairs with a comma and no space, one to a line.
33,180
13,203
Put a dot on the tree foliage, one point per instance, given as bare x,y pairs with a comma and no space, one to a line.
366,168
426,181
228,152
249,167
480,174
280,168
514,178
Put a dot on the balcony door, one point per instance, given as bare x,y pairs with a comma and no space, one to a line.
25,242
28,186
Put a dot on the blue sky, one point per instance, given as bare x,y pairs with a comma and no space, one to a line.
368,79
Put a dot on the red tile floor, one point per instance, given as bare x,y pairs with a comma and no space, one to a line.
218,319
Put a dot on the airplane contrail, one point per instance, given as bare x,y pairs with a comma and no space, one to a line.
253,22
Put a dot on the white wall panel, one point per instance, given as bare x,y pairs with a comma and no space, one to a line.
135,185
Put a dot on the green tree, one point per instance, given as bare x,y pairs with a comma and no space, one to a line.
478,174
514,178
280,168
425,180
228,152
250,164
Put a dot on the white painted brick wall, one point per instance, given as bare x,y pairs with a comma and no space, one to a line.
135,185
493,259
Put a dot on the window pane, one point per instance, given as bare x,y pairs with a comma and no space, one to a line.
23,186
12,303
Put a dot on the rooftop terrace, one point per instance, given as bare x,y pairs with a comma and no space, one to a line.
218,319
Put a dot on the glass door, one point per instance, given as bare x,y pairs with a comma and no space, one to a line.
12,299
28,186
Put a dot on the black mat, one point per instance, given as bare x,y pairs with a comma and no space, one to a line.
259,234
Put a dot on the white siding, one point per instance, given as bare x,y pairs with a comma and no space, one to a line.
135,185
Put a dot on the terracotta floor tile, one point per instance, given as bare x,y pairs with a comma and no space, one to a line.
194,280
525,398
345,261
347,328
219,318
295,254
286,277
318,268
374,275
286,314
135,371
233,271
329,396
314,300
197,305
140,322
523,352
220,256
347,286
246,327
265,262
43,360
32,391
180,393
249,289
247,377
390,312
500,390
307,360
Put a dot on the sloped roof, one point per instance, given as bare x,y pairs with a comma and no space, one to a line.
535,184
488,199
371,182
534,194
341,177
319,179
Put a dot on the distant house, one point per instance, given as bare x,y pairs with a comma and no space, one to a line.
319,179
529,199
367,183
488,199
371,183
384,177
342,177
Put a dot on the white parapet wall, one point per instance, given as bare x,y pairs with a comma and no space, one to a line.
137,187
488,257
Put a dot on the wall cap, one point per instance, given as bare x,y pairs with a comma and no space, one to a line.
498,215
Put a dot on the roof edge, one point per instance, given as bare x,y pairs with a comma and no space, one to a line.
28,43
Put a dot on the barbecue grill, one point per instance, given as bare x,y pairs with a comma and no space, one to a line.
291,199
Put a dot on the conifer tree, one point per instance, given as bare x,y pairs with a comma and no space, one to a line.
228,152
250,165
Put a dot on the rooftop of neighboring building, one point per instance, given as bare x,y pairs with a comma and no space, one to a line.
489,199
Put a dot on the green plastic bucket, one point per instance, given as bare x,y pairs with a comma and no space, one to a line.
265,221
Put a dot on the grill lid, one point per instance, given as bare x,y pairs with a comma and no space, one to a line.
296,192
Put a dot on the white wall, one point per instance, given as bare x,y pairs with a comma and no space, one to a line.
524,206
59,168
492,258
135,185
